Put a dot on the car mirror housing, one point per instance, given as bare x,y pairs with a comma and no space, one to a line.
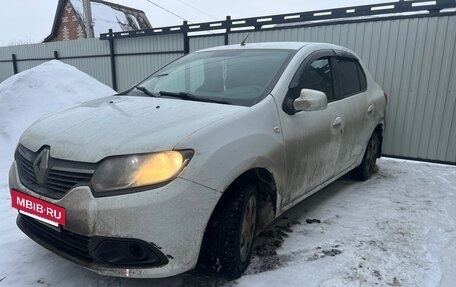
310,100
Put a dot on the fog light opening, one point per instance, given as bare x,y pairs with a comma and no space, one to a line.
137,251
128,252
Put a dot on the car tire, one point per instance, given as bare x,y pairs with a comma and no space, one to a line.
232,231
366,168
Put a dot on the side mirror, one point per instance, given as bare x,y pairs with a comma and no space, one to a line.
310,100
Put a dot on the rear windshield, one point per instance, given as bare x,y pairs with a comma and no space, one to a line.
238,77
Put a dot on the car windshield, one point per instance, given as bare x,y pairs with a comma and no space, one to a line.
239,77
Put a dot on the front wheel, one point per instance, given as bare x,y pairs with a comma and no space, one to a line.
367,166
233,231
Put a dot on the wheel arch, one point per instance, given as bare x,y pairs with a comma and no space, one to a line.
266,189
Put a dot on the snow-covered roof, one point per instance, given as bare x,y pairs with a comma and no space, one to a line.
107,16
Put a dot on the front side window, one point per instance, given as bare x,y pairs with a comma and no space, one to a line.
318,76
239,77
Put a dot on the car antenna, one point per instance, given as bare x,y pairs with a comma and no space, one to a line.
245,39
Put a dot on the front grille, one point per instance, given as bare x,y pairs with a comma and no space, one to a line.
62,175
65,241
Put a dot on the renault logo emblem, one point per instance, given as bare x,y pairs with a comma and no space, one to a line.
41,166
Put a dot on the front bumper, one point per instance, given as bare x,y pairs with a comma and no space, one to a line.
172,218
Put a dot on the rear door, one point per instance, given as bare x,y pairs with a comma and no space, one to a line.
353,108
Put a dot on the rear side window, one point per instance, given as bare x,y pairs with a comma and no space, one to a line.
352,77
362,77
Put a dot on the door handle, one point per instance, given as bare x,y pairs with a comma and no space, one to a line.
337,122
370,109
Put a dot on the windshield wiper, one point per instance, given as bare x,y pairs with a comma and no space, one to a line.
147,92
190,97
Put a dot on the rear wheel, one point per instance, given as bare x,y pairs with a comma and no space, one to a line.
232,231
367,166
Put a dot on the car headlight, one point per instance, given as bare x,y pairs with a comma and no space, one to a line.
130,171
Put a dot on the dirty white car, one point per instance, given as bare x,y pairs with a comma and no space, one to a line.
184,169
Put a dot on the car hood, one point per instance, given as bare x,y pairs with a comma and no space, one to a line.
119,125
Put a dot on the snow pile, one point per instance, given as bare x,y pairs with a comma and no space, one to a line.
25,98
30,95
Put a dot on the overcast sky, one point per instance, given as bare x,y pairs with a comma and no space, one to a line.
30,21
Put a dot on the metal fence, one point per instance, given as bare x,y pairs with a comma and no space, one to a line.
118,64
411,56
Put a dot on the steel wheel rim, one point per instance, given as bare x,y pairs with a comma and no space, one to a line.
248,228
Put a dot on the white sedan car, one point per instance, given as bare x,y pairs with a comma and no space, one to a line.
185,168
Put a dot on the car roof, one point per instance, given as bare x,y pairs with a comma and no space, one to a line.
275,45
268,45
310,47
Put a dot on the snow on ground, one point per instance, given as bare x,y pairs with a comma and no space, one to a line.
396,229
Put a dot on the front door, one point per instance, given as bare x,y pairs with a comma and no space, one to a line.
312,138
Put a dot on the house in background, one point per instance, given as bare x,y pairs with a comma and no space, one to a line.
69,21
